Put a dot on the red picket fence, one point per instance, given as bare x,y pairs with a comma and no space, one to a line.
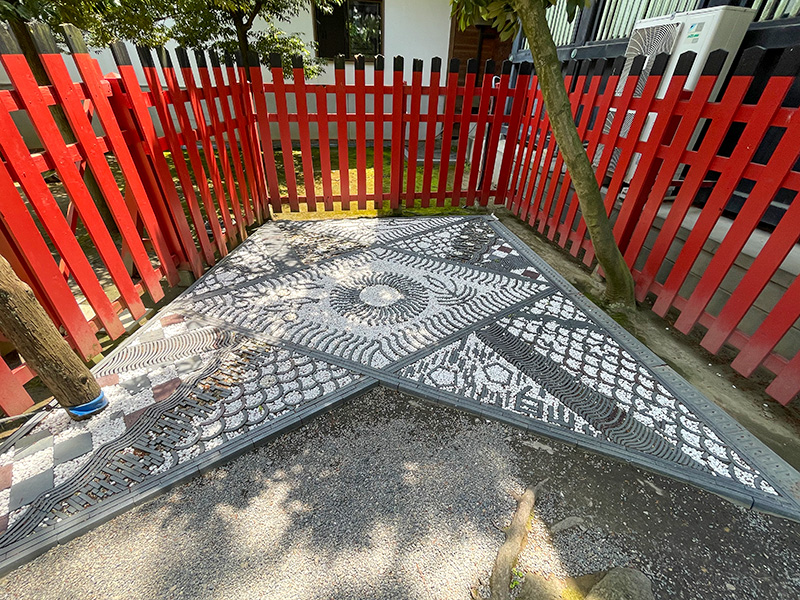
672,168
192,155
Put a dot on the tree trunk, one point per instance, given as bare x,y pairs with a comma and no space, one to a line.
619,283
23,36
244,45
26,324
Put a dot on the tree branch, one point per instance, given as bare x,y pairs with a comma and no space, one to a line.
256,9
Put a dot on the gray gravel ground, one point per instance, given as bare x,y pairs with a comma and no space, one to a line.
386,497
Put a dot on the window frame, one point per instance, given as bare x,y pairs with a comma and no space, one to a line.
351,59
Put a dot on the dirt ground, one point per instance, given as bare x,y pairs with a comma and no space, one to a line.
388,497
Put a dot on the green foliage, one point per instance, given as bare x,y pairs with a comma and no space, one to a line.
194,24
501,14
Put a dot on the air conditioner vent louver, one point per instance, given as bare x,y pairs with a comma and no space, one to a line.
648,42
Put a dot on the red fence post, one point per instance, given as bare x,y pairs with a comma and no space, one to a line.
195,99
342,145
377,131
239,95
305,135
447,131
398,134
265,134
361,132
190,140
480,130
431,118
413,119
464,121
153,147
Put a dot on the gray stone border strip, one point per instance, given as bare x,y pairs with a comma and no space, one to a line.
778,471
773,467
732,493
32,546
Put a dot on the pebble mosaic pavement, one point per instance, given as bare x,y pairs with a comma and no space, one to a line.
304,314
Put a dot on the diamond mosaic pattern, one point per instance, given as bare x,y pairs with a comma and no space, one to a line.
304,314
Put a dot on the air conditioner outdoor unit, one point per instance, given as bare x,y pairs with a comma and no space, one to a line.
700,31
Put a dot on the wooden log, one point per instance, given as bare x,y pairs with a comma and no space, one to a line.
26,324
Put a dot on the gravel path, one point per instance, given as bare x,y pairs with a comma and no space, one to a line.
386,497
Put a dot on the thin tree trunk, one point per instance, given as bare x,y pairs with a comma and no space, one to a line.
619,283
26,324
244,46
23,36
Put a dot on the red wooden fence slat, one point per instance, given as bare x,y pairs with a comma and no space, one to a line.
513,132
781,241
251,127
162,176
324,146
496,128
641,108
413,132
361,133
14,400
190,139
464,120
699,166
218,129
240,123
222,92
524,148
398,134
654,194
341,133
577,81
265,134
787,384
754,131
378,134
592,136
54,293
620,104
237,81
16,66
775,325
305,134
162,237
522,200
480,130
447,131
782,160
587,93
40,197
204,133
545,157
430,132
175,147
647,167
82,128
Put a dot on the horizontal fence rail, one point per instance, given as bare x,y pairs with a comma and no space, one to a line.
163,166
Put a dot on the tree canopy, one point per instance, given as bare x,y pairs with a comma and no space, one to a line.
501,13
195,24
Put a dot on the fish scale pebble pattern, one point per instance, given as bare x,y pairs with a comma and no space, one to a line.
306,314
